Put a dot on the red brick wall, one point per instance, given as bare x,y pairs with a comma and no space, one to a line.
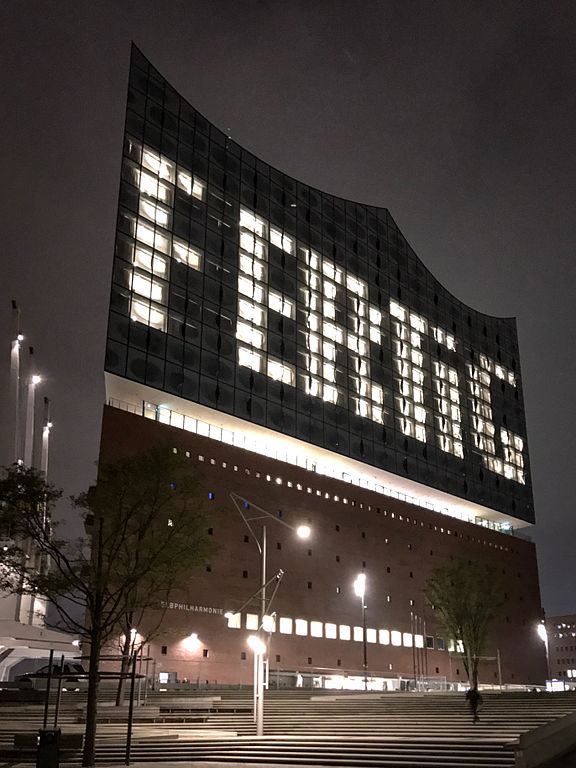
399,544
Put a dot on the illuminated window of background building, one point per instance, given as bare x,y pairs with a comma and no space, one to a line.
285,626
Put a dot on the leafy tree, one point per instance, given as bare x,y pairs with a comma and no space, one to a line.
146,531
466,596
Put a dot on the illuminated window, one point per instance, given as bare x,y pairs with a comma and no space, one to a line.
344,630
250,335
186,254
249,359
397,311
235,621
358,634
329,351
330,394
280,371
333,332
316,629
150,261
159,165
253,245
147,287
312,386
329,289
420,432
331,631
146,234
281,304
150,185
384,636
252,621
285,242
252,312
144,312
330,270
329,372
371,635
407,639
301,626
251,289
253,267
396,637
285,626
250,221
356,286
191,185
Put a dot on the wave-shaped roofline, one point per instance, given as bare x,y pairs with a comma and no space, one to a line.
511,319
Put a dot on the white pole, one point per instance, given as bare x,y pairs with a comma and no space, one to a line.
45,438
33,380
255,690
15,379
260,672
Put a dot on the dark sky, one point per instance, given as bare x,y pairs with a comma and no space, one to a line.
457,116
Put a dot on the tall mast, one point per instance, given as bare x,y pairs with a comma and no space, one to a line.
32,382
47,426
17,338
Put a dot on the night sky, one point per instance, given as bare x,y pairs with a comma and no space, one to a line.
459,117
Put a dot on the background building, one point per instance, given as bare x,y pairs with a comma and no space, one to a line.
561,632
296,350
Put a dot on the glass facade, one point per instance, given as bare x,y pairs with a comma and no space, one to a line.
238,287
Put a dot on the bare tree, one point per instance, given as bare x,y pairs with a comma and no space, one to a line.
146,531
466,597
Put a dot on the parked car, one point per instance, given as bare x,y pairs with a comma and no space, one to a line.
74,677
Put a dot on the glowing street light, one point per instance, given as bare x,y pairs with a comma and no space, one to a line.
543,635
249,513
303,531
257,645
541,630
360,591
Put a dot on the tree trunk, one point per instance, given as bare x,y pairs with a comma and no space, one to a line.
88,757
124,669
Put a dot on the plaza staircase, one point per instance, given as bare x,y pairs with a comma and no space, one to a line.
304,727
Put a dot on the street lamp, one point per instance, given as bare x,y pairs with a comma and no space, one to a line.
245,507
543,635
360,591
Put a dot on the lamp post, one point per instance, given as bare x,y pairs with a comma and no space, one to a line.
245,508
543,635
360,591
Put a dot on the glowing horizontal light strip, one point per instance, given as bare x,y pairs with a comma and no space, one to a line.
287,625
292,451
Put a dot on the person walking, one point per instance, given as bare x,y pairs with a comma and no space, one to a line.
474,699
